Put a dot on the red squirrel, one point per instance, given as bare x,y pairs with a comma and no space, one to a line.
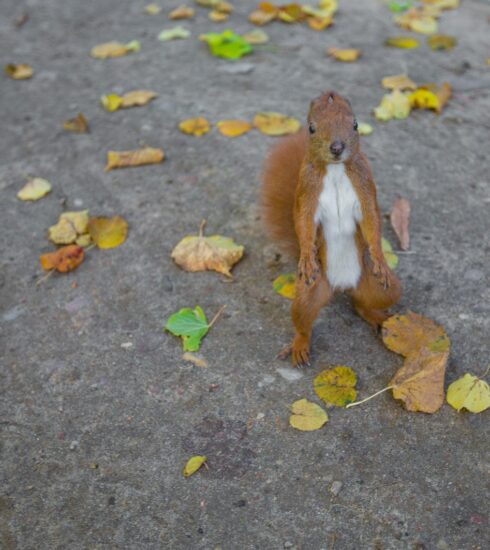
319,198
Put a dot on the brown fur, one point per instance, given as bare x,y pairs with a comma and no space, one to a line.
292,182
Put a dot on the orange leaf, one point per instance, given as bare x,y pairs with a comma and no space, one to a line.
194,126
233,128
78,124
64,259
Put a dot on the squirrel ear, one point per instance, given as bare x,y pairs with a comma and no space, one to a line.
330,97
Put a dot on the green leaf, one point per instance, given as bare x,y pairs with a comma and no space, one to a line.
227,44
191,325
390,257
399,6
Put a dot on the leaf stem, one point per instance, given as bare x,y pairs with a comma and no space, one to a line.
201,228
45,277
216,317
486,371
368,398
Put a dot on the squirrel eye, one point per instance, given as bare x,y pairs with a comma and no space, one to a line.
355,125
312,128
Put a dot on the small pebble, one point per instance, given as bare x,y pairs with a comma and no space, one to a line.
260,416
74,445
127,345
336,487
288,544
78,203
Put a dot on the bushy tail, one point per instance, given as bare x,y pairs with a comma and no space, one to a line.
279,180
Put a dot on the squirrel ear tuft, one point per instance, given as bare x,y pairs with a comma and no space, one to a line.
330,97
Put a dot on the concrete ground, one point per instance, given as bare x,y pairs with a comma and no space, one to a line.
99,412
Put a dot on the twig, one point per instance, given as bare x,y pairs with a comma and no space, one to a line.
201,228
45,277
216,317
368,398
486,372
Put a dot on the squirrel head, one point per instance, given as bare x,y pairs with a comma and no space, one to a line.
332,129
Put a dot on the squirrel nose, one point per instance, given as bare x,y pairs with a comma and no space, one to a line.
337,147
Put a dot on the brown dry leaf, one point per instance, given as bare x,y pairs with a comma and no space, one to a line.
78,124
265,13
215,253
138,157
407,334
400,219
275,124
233,128
18,71
63,260
182,12
319,23
398,82
345,55
137,98
257,36
441,42
217,16
195,359
431,96
108,232
419,383
194,126
114,49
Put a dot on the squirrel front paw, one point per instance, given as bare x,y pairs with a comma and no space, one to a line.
382,272
308,269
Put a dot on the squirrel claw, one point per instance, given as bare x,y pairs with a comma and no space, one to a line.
285,352
308,271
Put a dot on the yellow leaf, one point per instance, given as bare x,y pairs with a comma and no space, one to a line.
233,128
260,17
319,23
153,9
469,392
223,6
194,126
18,71
195,359
217,16
328,5
137,98
199,253
417,21
138,157
111,102
419,383
431,96
443,4
307,416
193,464
285,285
108,232
441,42
406,334
398,82
346,55
404,42
182,12
34,189
364,129
78,124
78,219
393,105
84,240
114,49
390,257
70,225
275,124
257,36
336,386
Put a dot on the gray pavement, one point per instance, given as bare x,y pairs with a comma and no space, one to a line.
94,431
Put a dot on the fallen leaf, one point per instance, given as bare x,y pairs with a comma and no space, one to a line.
70,225
441,42
194,126
285,285
257,36
419,383
417,21
223,6
407,334
108,232
443,4
398,82
78,124
18,71
136,98
336,386
233,128
200,253
195,359
193,464
63,260
346,55
307,416
207,3
470,393
400,219
404,42
174,33
399,6
84,240
217,16
111,102
227,44
191,325
319,23
262,17
114,49
34,189
275,124
329,6
364,129
138,157
182,12
393,105
431,96
390,257
152,9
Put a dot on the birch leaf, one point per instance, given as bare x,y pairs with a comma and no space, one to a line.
34,189
233,128
441,42
470,393
194,126
336,386
152,9
138,157
108,232
307,416
431,96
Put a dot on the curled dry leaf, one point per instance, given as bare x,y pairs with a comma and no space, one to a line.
152,9
336,386
346,55
393,105
265,14
285,285
174,33
136,98
182,12
431,96
257,36
404,42
70,226
194,126
34,189
195,359
307,416
108,232
470,393
400,220
233,128
398,82
275,124
215,253
138,157
114,49
78,124
62,260
193,464
18,71
441,42
218,16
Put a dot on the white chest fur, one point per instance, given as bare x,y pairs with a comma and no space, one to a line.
338,212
